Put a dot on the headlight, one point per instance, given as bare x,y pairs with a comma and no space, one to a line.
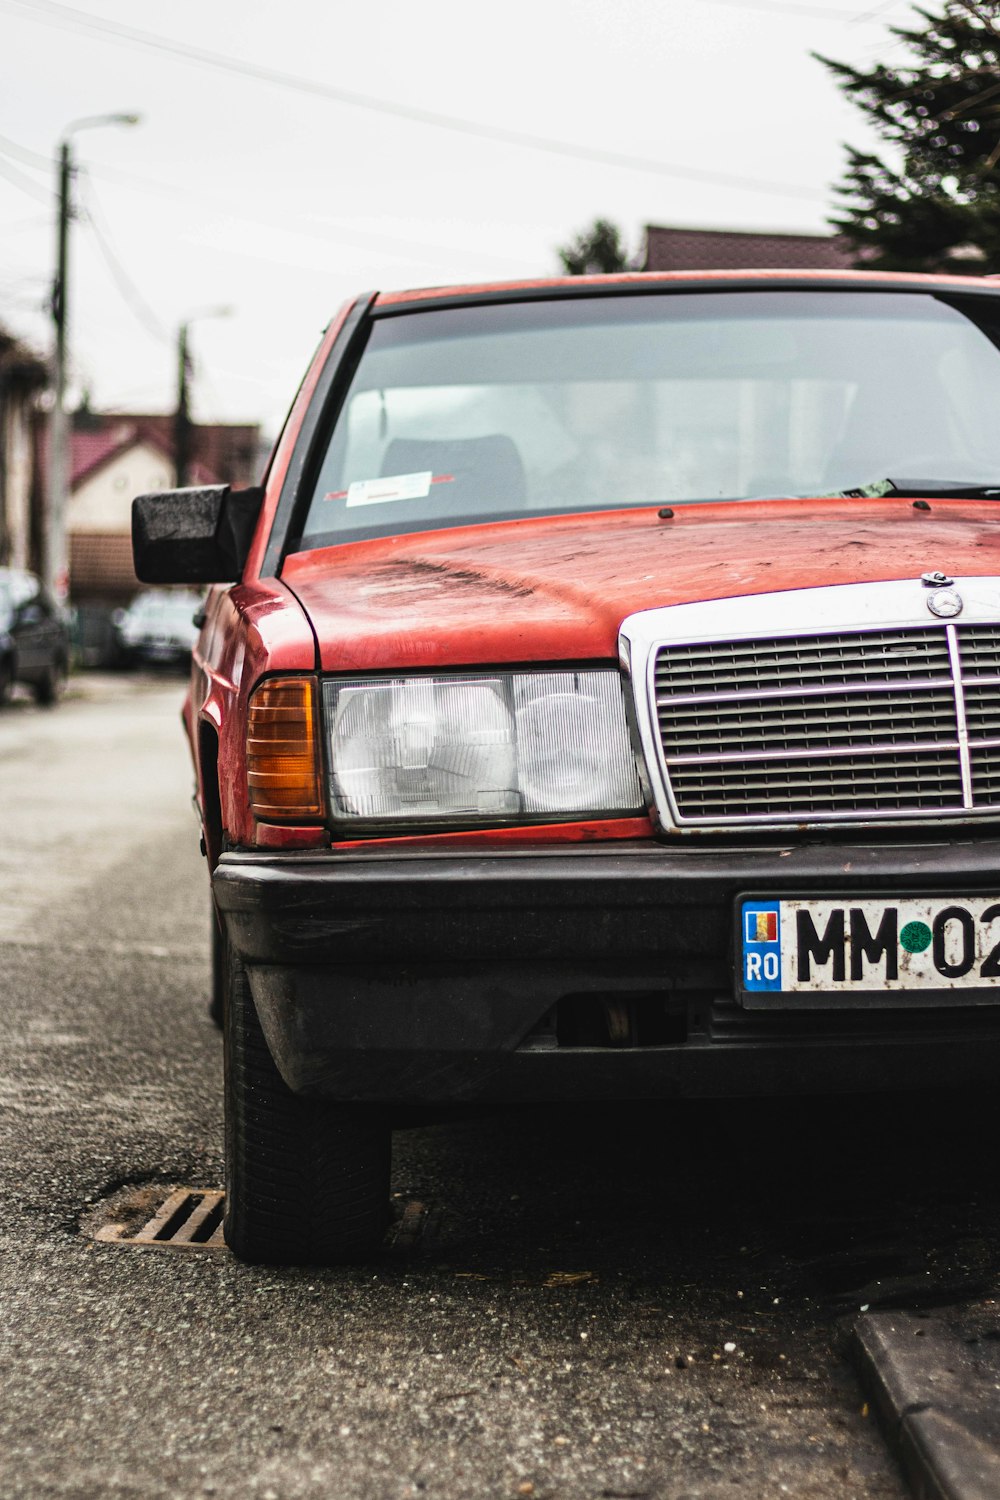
503,746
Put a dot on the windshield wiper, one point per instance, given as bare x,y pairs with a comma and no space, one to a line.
944,489
924,489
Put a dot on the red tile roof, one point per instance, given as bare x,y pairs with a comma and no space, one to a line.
94,446
223,452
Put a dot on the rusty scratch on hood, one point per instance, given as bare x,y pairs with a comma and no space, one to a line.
419,569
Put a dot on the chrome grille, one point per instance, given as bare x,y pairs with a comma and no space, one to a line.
804,661
797,721
986,776
812,787
855,724
980,650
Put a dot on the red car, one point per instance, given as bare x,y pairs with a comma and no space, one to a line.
603,701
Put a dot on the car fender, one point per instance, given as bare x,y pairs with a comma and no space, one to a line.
252,630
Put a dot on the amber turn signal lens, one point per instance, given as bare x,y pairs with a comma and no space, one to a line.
283,770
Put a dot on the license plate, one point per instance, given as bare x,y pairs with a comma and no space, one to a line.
825,952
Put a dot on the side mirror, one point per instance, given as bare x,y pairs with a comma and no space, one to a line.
194,535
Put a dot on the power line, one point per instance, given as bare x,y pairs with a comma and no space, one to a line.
53,12
23,153
136,302
340,234
25,183
93,216
876,11
405,247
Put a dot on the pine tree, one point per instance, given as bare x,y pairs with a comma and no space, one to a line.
938,209
595,250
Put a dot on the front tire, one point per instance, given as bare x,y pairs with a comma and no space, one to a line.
307,1181
49,688
217,995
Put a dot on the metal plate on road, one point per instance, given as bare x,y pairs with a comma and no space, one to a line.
827,952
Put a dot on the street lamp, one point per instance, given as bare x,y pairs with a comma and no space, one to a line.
54,565
182,416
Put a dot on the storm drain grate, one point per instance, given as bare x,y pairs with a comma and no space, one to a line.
186,1218
189,1218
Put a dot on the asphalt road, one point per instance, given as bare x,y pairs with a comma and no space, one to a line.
601,1303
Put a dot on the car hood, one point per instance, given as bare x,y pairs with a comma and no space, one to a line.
558,588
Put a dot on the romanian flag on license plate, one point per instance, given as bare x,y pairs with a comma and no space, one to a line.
762,926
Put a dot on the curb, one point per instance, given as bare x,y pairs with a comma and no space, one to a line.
937,1395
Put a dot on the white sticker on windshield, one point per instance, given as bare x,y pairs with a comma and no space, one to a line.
390,487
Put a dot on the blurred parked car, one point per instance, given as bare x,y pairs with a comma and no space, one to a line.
157,629
34,637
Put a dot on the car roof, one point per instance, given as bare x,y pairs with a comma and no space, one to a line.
547,288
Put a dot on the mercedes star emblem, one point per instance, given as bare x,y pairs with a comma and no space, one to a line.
946,604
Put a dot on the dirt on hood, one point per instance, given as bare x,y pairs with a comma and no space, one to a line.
557,588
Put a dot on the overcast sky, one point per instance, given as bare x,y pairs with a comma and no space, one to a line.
262,186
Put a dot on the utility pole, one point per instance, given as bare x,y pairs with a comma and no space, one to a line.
182,416
54,565
55,570
183,426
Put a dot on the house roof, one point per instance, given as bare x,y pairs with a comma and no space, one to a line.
672,249
93,447
19,365
104,439
223,452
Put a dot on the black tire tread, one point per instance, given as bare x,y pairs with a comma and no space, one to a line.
48,688
307,1181
217,994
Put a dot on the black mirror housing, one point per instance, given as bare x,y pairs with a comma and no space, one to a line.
198,535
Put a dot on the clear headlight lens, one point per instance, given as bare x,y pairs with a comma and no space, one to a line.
507,745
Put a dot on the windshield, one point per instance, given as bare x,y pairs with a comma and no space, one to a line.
544,408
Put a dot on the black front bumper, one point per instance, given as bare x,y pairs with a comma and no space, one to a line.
432,977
